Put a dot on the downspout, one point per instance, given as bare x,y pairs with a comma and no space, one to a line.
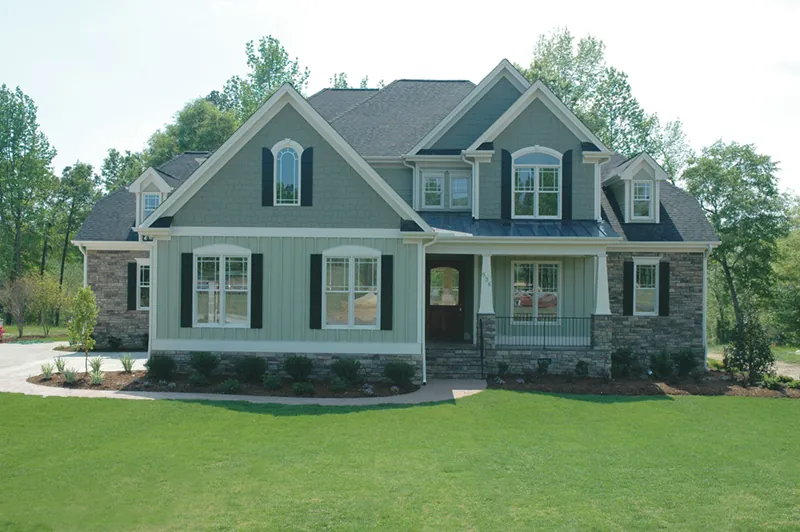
414,186
706,253
422,306
84,251
474,184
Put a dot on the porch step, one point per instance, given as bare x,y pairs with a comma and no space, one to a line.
453,361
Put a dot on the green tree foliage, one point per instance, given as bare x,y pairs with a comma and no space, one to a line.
750,351
16,297
738,190
46,302
77,193
84,318
785,304
120,170
339,81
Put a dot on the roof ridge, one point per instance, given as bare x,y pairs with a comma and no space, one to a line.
359,104
436,80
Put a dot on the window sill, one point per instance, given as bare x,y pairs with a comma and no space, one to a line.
514,217
215,326
651,314
350,328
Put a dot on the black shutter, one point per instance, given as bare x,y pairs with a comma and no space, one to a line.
267,177
315,303
627,288
663,289
307,177
387,292
566,186
257,291
505,185
187,265
131,286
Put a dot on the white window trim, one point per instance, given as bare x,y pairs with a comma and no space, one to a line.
222,251
351,253
646,261
286,143
145,195
560,288
434,176
650,216
460,175
536,167
139,264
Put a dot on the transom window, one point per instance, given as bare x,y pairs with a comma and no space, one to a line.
351,292
433,191
150,203
143,287
642,199
645,292
222,291
535,291
459,191
537,184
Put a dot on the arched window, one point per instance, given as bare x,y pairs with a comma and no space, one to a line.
537,183
287,172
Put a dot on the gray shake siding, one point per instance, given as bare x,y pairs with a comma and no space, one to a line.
537,125
107,274
400,178
342,198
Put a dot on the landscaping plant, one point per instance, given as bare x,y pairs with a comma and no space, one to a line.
502,369
47,371
114,343
127,362
347,370
70,376
661,365
230,386
96,377
60,364
339,385
160,367
582,369
750,352
401,374
204,363
272,382
624,364
542,367
96,363
84,318
303,388
251,369
196,379
298,367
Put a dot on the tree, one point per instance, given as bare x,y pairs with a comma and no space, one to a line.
16,297
672,149
339,81
119,171
364,83
750,352
77,193
785,302
46,301
84,318
738,190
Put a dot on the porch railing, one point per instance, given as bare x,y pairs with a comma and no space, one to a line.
527,331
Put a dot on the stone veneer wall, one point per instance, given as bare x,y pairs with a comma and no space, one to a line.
372,365
650,335
107,273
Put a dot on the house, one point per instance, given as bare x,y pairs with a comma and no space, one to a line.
441,223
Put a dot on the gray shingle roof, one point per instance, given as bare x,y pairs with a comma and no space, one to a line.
113,216
464,223
333,103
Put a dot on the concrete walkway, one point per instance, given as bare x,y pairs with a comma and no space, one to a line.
20,361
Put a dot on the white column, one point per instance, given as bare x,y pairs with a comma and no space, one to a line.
602,305
487,300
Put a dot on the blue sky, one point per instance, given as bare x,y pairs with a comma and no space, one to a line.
107,74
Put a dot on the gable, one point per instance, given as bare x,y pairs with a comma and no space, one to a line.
482,115
232,196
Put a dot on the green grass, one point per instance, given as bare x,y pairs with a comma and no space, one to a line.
496,461
782,353
57,334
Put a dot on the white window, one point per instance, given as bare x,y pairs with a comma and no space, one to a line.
352,292
535,291
645,290
642,199
459,192
433,191
143,287
287,172
536,183
150,202
222,291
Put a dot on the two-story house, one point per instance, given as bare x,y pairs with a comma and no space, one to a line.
435,222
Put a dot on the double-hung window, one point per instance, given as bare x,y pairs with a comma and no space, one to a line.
536,184
351,292
150,202
459,191
642,199
433,191
143,286
222,291
645,289
535,291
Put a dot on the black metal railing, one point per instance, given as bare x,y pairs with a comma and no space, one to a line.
551,332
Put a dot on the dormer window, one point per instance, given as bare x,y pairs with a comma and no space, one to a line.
642,200
150,202
537,183
287,173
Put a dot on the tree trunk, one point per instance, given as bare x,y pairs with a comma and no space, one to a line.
64,255
737,310
44,249
17,272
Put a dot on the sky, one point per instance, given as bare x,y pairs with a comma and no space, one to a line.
107,74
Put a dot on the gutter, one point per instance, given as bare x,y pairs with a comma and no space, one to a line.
706,253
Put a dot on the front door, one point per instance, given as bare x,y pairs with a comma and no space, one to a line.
445,294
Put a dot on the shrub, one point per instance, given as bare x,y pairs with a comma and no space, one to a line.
96,363
569,376
82,323
251,369
772,382
204,363
272,382
127,362
543,367
196,379
70,376
661,365
367,390
114,343
716,365
339,385
684,363
298,367
60,364
582,369
347,370
47,371
400,373
160,367
794,385
303,388
624,364
96,377
786,379
502,369
230,386
750,352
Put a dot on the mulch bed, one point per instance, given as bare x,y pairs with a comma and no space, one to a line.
712,383
138,381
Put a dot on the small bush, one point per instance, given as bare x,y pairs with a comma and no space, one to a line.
543,367
772,382
794,385
230,386
339,385
251,369
502,369
298,367
47,371
114,343
195,379
96,363
750,351
160,367
96,377
272,382
367,390
582,369
661,365
70,376
303,388
624,364
127,362
786,379
684,363
347,370
204,363
60,364
400,373
716,365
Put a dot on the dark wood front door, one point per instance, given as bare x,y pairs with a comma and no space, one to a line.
445,301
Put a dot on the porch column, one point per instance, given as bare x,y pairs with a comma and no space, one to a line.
602,305
487,299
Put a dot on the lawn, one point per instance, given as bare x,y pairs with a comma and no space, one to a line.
57,334
500,460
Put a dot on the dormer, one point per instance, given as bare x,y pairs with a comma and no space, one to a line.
150,190
636,185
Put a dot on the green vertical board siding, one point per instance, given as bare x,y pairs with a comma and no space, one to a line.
286,290
537,125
